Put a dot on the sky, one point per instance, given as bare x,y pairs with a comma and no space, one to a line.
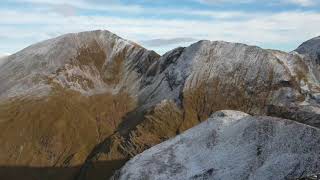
162,25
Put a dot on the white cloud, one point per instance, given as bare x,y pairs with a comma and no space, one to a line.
4,55
281,30
161,42
107,5
304,3
225,1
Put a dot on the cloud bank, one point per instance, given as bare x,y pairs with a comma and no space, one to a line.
157,27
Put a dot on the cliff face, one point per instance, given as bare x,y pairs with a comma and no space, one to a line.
82,99
232,145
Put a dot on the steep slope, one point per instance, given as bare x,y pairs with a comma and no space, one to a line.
186,85
89,63
232,145
90,101
61,97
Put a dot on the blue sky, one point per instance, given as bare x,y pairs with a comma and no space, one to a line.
162,24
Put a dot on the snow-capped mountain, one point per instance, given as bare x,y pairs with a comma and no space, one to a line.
81,99
84,62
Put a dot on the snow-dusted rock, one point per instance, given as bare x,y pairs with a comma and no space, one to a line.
231,75
88,62
231,145
186,85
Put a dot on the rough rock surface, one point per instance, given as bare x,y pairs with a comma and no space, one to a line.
232,145
90,101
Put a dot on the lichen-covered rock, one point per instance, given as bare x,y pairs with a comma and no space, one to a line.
232,145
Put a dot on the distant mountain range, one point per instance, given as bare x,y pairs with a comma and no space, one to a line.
79,106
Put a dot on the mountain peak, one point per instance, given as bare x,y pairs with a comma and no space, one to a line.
81,61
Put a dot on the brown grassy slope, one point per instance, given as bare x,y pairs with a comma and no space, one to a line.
59,130
158,124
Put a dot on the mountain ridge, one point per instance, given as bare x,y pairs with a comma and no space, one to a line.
93,97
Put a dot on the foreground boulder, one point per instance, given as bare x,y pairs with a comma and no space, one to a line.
232,145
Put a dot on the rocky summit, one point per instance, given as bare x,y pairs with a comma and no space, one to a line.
80,105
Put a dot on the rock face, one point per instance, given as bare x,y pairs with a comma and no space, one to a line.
232,145
90,101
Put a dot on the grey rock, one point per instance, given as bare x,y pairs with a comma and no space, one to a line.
236,146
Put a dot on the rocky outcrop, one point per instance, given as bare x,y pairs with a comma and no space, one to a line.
232,145
92,98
